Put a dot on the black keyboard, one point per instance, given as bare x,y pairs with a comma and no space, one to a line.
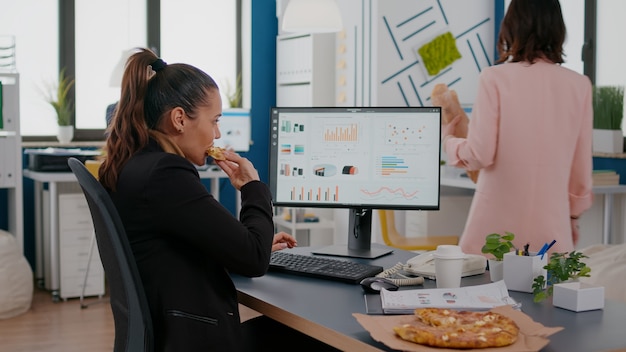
322,267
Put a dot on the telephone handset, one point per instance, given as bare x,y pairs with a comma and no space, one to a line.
424,265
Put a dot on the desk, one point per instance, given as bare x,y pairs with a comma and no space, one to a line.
323,309
53,179
607,191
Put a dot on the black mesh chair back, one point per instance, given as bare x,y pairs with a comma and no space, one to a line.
131,315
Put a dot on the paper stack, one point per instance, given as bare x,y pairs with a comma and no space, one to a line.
480,297
605,178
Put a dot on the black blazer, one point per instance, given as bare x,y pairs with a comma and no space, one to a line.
186,243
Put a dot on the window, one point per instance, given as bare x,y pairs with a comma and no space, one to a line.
206,39
574,17
104,31
37,58
96,35
610,52
610,49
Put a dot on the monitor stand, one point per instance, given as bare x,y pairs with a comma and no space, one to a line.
360,240
339,250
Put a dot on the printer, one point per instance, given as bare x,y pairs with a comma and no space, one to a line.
55,159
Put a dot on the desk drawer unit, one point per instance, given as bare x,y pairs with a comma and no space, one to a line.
75,240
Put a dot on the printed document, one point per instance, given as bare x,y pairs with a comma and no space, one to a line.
479,297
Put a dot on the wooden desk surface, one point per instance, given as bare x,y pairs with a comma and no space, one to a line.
323,309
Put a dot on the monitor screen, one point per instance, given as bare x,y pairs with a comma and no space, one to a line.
361,158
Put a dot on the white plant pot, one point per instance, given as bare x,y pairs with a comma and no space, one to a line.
65,134
577,296
520,271
496,270
608,141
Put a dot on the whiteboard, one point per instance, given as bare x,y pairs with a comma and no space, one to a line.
403,26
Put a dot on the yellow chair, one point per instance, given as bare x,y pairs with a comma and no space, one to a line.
93,166
393,238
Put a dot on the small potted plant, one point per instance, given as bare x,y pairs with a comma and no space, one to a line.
59,97
497,245
235,96
608,112
563,271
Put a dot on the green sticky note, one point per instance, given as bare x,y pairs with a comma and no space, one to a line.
439,53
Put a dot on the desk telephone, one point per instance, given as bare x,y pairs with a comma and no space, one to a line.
423,266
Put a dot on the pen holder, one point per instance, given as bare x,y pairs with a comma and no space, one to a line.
520,271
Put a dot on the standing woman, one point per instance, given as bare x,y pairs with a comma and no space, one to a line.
185,242
529,135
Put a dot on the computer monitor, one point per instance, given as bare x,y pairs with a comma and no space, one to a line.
360,158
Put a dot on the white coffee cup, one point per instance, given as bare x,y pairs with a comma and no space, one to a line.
448,265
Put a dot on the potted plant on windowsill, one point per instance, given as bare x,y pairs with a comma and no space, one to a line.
234,97
235,122
608,112
563,271
59,97
497,245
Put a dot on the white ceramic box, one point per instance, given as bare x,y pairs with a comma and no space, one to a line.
520,271
577,296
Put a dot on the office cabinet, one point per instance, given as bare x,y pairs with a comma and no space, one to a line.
11,155
305,74
305,70
75,239
66,264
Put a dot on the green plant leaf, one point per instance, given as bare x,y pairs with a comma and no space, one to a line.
59,97
509,236
608,107
498,245
560,267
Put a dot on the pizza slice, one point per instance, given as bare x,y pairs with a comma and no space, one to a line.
216,153
437,327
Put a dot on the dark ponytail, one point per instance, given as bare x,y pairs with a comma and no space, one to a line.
150,89
128,132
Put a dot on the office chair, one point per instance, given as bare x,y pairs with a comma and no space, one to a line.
92,166
393,238
131,315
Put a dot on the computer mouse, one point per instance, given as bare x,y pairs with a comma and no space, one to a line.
375,284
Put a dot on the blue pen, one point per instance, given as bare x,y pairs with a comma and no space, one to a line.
550,246
543,249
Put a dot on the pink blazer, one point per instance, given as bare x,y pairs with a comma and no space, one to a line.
530,135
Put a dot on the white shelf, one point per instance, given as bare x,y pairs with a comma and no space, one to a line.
293,227
11,156
305,69
321,224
